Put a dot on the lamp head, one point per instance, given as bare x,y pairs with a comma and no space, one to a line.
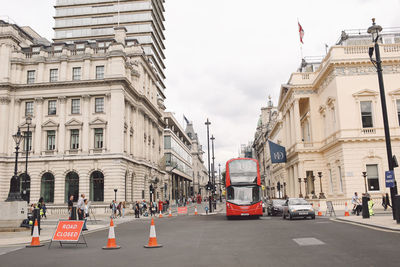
17,137
374,30
28,120
115,190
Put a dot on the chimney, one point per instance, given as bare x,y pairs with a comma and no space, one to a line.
120,34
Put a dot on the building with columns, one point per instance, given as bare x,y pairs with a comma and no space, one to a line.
178,159
97,118
200,173
330,121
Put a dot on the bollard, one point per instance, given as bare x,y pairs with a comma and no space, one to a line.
365,211
396,205
36,215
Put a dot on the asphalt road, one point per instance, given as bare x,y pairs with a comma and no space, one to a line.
215,241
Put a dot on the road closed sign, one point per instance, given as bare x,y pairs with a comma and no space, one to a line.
68,231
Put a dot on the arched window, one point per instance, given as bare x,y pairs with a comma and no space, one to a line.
25,188
97,186
47,187
71,186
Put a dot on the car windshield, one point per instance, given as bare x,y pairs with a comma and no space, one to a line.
243,171
243,195
298,201
278,202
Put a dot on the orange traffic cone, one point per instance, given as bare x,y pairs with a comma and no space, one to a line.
195,210
35,237
319,210
170,214
160,216
346,209
111,244
153,239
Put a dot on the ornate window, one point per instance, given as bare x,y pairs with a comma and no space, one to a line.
71,186
75,106
28,108
98,138
51,140
75,139
99,105
372,177
366,114
97,186
47,187
76,74
99,72
53,75
30,76
52,107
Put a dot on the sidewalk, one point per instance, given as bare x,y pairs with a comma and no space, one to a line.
381,219
48,227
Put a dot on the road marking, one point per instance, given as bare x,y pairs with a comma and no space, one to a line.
308,241
323,222
265,218
4,251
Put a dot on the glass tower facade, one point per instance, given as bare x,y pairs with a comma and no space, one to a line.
95,19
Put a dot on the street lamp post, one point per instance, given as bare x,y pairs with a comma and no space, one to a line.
300,195
284,190
25,187
305,188
321,193
219,175
208,148
115,194
15,194
365,181
278,186
374,30
213,170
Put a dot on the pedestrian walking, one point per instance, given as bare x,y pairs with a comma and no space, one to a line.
123,208
151,208
119,207
370,207
81,207
137,209
86,213
70,206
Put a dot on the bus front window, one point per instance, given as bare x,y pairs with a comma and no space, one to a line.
243,195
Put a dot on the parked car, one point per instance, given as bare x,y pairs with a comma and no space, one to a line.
297,207
274,206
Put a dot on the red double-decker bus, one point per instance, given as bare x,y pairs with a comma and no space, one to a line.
243,188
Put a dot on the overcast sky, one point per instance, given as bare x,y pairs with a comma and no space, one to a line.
224,57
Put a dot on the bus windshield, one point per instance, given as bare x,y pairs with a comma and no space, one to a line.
243,195
243,171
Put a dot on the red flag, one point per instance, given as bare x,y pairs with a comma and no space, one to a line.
301,32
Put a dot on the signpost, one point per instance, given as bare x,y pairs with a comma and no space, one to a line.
68,232
389,178
329,209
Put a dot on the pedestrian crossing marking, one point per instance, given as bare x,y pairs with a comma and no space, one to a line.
308,241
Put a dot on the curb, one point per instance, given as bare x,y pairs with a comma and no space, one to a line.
379,227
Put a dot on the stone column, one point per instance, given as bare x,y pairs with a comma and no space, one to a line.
297,125
128,114
292,126
116,125
85,126
62,136
295,179
38,130
287,129
4,118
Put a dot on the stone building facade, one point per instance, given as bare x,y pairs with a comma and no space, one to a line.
97,117
200,173
178,159
330,122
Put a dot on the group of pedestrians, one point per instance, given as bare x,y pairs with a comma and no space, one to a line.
117,210
142,208
357,203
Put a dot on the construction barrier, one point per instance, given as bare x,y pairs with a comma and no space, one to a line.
319,210
195,210
160,216
152,239
182,210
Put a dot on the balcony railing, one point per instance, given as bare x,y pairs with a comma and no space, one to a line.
368,131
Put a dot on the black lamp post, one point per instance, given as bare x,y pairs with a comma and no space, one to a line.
213,171
25,184
374,30
15,194
300,195
115,193
278,186
219,175
208,149
321,194
365,181
305,188
284,190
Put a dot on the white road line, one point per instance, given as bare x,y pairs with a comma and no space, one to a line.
308,241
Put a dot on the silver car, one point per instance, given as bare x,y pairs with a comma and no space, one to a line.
297,207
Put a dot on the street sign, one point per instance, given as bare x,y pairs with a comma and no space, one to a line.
182,210
389,178
68,231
